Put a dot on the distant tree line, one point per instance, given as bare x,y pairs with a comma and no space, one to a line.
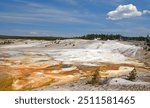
111,37
32,37
88,36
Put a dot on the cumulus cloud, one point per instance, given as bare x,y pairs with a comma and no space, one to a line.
125,11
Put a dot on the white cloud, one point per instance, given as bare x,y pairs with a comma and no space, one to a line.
146,12
125,11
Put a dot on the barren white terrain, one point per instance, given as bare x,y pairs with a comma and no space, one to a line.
46,65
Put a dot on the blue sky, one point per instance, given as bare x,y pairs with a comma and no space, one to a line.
74,17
